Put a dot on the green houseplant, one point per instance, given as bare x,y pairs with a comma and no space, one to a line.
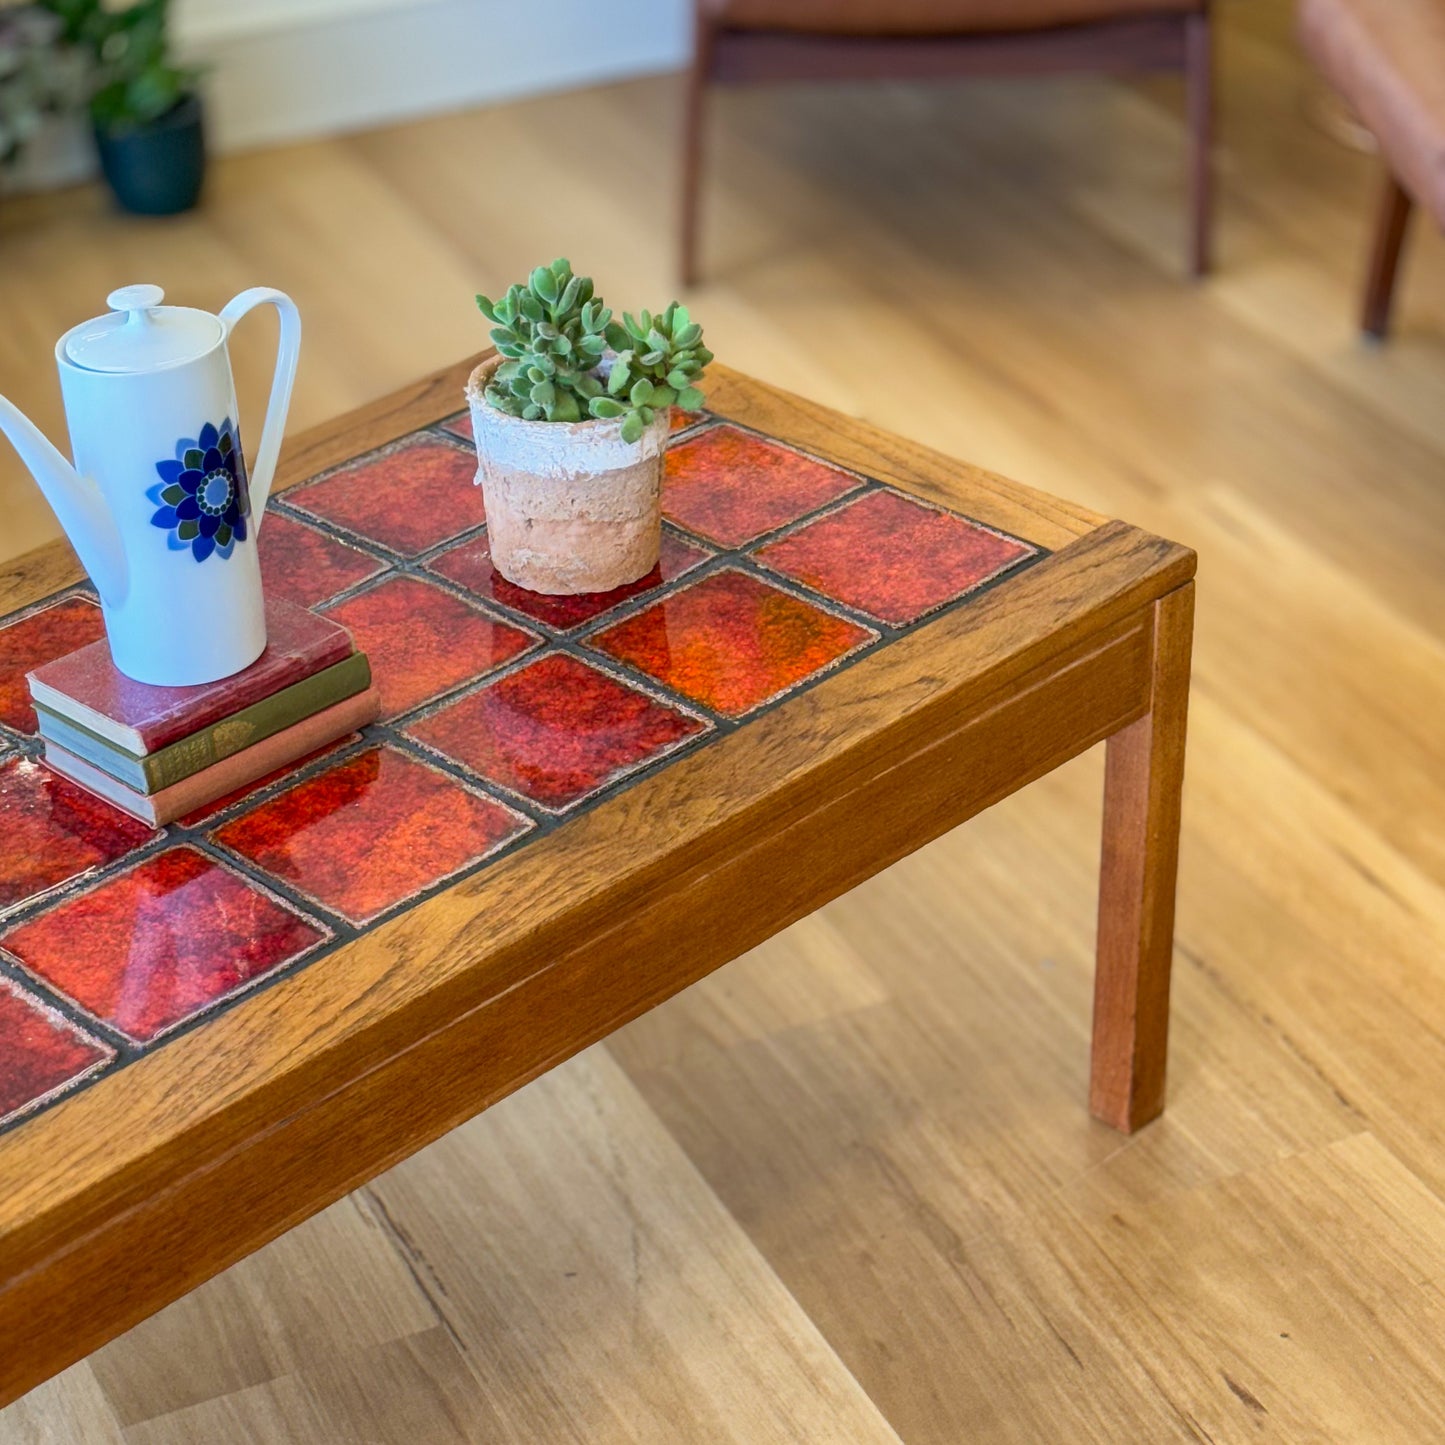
571,422
39,76
146,109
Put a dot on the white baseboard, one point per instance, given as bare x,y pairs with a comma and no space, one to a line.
284,70
288,69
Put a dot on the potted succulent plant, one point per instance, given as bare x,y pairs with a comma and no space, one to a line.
571,423
145,108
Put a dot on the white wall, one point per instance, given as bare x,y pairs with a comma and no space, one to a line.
283,70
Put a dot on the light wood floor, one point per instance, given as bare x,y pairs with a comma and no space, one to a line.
845,1190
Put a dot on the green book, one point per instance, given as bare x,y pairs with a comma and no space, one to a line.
154,771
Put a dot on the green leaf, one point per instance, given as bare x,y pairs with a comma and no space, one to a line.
677,378
561,268
641,392
604,408
690,399
544,393
567,302
621,377
688,336
658,342
618,337
487,306
566,408
531,307
587,386
662,396
544,284
632,428
532,412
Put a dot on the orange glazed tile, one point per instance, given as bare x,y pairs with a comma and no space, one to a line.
304,565
163,941
424,641
731,642
42,1054
52,831
47,633
469,565
730,486
556,730
409,497
892,557
372,832
680,420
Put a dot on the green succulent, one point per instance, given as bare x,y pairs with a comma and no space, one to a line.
565,359
659,362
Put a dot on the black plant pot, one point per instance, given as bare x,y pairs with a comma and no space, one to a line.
157,169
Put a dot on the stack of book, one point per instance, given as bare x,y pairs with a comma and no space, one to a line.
162,752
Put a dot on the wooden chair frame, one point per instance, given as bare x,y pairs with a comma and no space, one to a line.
1391,226
1164,42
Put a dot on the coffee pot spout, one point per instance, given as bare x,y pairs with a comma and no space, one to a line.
76,501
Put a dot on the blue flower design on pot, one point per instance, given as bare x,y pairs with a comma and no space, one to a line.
202,498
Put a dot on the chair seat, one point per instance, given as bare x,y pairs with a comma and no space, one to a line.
1387,58
930,17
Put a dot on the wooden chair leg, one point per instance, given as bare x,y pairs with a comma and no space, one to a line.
694,105
1143,778
1199,84
1390,228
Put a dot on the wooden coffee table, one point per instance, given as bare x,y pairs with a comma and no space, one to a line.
571,811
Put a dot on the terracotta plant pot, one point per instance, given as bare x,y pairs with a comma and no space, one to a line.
571,507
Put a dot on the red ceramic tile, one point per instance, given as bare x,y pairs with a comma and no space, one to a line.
52,632
51,831
892,557
556,730
731,642
42,1054
460,426
680,420
730,486
410,497
424,641
304,565
469,564
371,832
159,943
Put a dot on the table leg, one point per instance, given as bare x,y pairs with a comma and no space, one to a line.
1143,776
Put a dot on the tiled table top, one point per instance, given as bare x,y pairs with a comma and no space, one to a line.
504,715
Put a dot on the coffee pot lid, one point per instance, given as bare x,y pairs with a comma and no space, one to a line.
141,335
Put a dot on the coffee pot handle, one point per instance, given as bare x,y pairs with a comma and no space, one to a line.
288,352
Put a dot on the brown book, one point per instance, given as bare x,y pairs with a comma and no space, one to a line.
87,688
229,774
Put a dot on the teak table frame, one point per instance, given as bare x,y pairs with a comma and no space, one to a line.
126,1196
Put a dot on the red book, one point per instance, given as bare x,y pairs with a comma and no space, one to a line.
226,776
86,687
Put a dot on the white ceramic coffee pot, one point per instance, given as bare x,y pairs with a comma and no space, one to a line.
158,505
